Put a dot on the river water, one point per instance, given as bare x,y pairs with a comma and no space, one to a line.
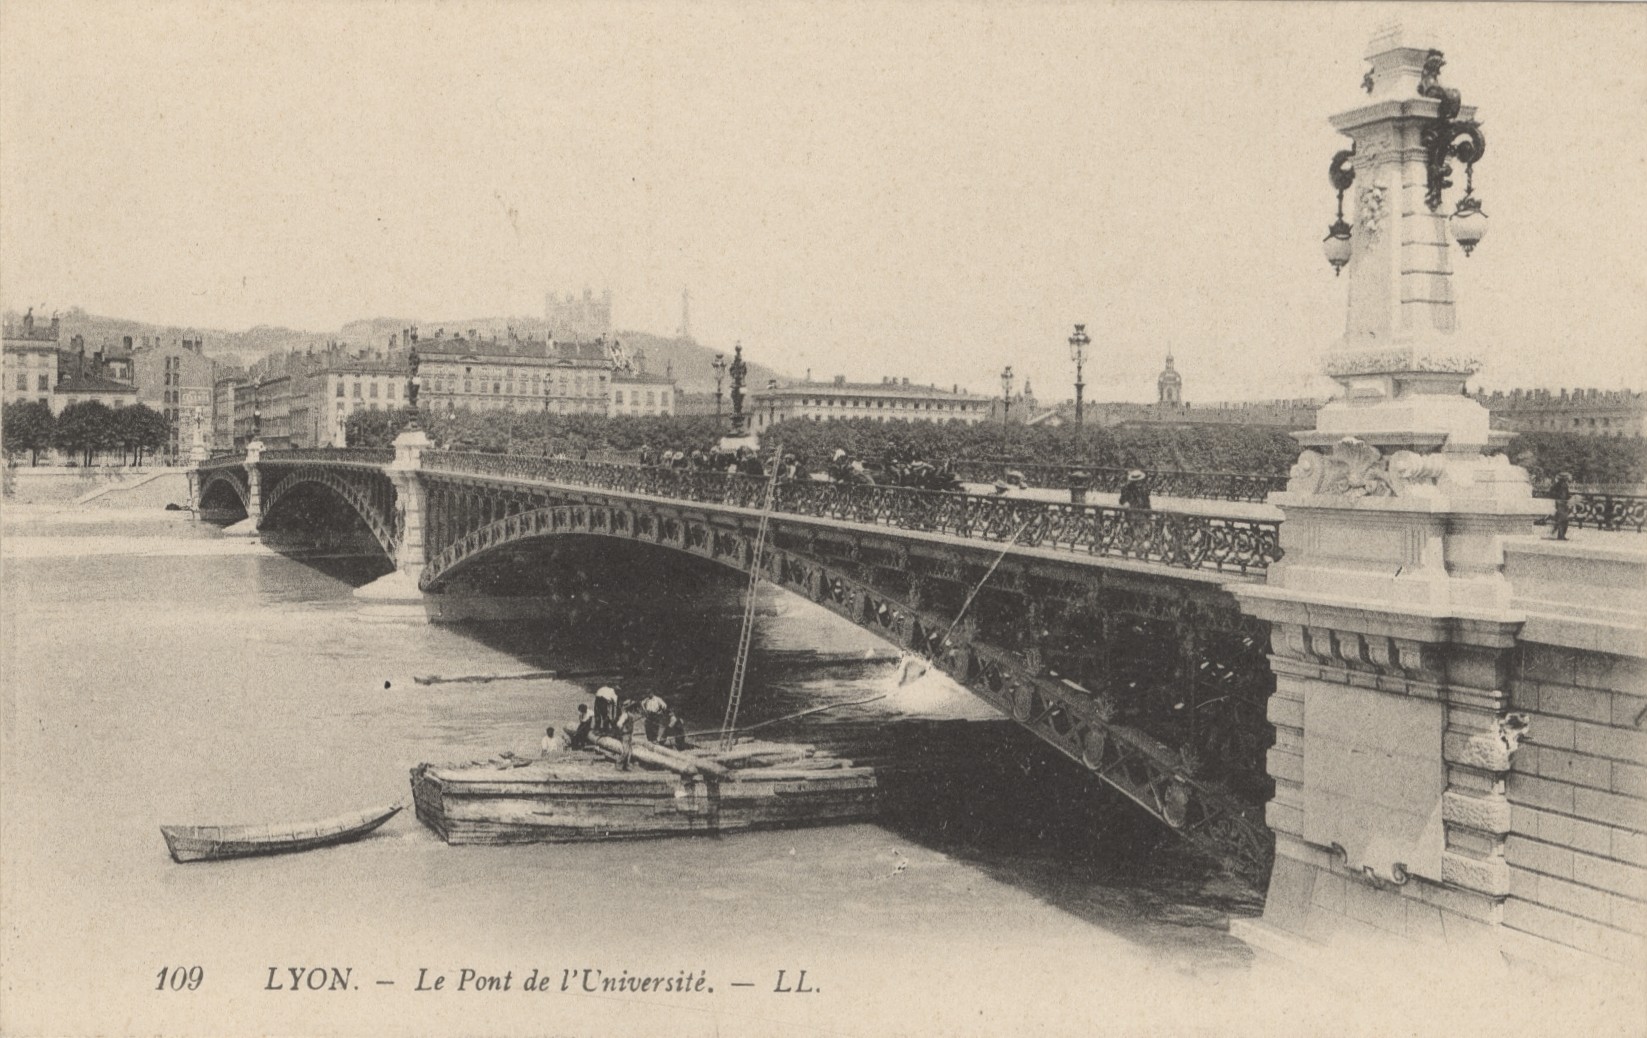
157,672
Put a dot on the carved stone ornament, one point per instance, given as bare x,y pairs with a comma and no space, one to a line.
1384,362
1372,209
1356,468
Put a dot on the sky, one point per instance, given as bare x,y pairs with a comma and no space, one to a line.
925,190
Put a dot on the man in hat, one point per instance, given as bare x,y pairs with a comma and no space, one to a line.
1135,492
626,732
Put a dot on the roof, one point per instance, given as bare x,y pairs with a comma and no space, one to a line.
93,384
513,349
885,389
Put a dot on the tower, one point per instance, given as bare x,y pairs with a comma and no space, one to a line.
1169,387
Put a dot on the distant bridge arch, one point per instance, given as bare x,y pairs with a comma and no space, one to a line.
369,494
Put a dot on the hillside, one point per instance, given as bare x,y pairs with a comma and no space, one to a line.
692,362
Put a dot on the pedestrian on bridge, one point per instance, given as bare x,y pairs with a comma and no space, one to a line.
1135,492
1562,491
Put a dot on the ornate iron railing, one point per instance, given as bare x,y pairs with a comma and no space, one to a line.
1171,538
1611,512
1218,486
223,461
375,456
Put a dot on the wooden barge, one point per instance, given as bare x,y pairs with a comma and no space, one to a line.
583,796
841,773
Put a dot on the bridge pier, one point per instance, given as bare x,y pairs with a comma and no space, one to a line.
396,595
248,526
1397,638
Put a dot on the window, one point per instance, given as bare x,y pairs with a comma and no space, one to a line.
617,396
391,390
340,389
374,389
45,381
23,383
651,398
357,389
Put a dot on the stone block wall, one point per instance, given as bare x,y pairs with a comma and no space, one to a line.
1577,847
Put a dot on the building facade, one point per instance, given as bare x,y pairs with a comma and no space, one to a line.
637,393
1584,412
513,374
177,379
31,359
78,389
889,400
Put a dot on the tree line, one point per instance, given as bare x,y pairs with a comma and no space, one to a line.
1206,448
83,431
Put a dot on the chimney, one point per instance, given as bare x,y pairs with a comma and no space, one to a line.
840,380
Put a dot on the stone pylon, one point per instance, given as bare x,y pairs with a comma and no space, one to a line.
397,595
248,526
1391,621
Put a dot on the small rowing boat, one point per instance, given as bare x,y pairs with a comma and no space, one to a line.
212,842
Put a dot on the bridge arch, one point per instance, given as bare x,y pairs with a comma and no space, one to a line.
369,494
1082,724
222,484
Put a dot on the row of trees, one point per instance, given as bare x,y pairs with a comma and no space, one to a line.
1213,448
83,431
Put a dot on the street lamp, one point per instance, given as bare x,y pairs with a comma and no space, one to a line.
1078,344
257,409
1336,244
413,384
1006,395
720,373
771,401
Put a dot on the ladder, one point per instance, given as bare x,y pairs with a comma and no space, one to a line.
740,665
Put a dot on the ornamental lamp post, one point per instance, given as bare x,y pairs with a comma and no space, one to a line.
1078,344
414,383
257,409
1006,395
720,373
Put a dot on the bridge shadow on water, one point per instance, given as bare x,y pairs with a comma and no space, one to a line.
1013,808
1030,818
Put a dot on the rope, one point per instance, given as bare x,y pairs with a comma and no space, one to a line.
728,733
1011,543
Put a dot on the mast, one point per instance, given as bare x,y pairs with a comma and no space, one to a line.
740,664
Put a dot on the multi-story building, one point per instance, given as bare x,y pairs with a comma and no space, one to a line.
890,399
1586,412
637,393
30,360
78,389
337,389
223,427
513,374
579,320
177,379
